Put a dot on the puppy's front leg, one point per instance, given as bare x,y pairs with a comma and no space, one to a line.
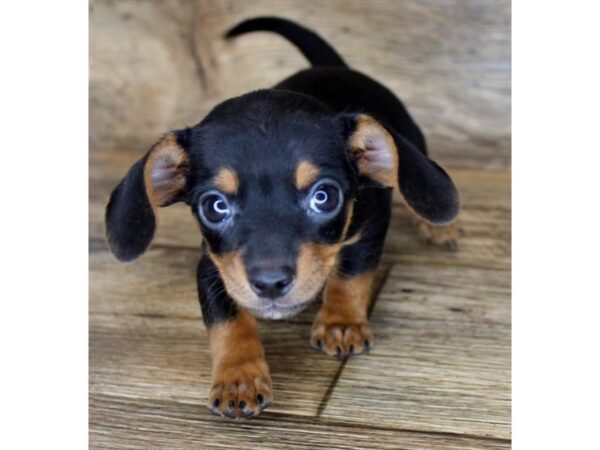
341,327
241,382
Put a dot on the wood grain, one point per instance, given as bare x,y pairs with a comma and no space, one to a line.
442,355
438,377
119,423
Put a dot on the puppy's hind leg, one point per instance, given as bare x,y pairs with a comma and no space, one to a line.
441,235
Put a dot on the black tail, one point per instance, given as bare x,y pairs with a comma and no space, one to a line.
316,50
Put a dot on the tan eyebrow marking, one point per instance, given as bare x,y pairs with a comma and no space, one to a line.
306,173
227,181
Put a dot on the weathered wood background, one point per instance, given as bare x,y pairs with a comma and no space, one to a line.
159,65
439,374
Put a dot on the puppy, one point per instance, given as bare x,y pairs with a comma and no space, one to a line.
292,190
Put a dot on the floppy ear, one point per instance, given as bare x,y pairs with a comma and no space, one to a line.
155,180
387,158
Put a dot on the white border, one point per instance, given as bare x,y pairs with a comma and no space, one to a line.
556,198
43,325
44,161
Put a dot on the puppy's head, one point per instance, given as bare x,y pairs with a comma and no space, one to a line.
271,177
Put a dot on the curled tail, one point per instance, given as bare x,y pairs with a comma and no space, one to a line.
313,47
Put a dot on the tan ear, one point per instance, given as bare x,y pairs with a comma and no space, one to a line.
155,180
165,170
374,151
389,159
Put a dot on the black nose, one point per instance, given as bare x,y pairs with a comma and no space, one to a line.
271,283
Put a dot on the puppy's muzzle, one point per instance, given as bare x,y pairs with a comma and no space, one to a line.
271,283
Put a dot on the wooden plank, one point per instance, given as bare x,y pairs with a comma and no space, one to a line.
486,217
119,423
442,356
147,339
442,323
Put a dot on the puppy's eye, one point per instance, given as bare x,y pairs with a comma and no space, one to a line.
325,198
214,209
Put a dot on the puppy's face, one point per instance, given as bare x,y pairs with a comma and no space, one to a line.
271,177
273,190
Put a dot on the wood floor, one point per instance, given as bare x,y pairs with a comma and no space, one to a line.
437,378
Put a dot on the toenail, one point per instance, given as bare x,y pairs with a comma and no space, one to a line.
217,402
242,405
260,399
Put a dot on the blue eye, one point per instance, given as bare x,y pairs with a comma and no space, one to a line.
325,198
214,209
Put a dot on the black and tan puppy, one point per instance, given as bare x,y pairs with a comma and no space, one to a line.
292,189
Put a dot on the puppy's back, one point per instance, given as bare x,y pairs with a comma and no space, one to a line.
332,82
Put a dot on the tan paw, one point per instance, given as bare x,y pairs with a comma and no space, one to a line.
444,235
342,340
241,391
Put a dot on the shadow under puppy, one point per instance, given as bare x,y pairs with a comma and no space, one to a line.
292,188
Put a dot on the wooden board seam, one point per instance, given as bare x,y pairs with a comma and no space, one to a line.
306,419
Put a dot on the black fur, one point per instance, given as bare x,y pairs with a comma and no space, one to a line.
263,136
346,90
129,217
130,221
216,305
316,50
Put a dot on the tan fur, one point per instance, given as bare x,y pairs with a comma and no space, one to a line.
306,174
315,262
239,369
349,216
169,158
370,134
227,181
341,327
233,272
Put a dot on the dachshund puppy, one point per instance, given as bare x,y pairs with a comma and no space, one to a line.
292,190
